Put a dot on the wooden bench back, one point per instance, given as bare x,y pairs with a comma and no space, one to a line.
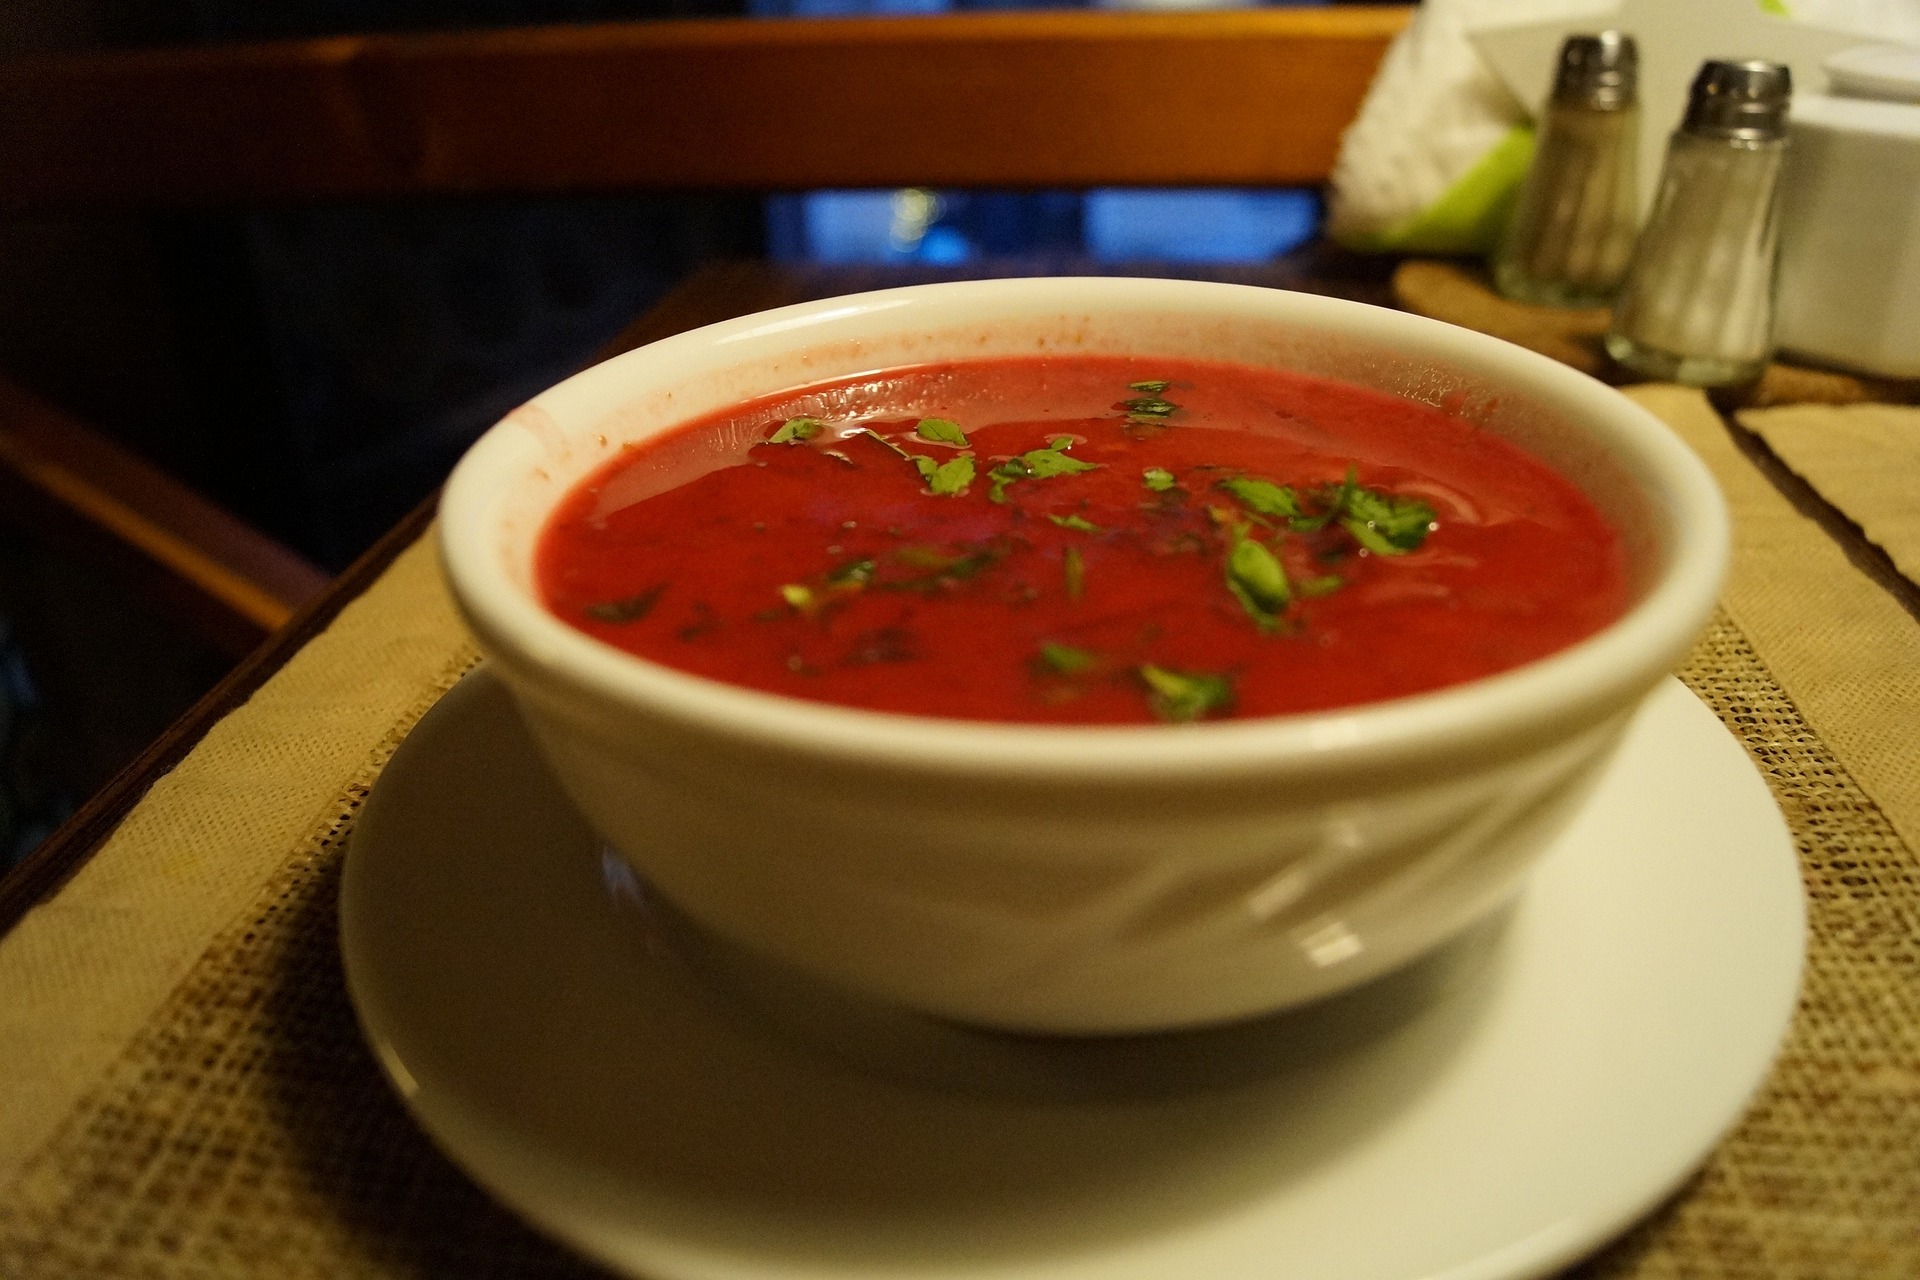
1049,99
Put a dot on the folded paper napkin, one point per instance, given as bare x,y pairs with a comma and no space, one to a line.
1433,160
1863,458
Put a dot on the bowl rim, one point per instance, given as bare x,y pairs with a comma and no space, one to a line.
1596,676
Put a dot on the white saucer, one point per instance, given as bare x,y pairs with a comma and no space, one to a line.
670,1110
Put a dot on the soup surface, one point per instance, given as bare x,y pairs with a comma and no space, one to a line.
1085,540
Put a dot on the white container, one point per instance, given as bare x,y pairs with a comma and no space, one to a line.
1082,879
1849,284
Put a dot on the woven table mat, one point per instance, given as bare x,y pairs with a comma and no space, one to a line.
239,1127
247,1131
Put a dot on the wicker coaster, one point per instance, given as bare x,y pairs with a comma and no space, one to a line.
246,1130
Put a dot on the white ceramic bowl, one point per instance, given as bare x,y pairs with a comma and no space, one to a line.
1082,879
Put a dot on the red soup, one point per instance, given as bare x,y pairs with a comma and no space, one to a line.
1083,540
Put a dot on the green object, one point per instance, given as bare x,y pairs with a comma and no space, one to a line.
944,430
946,478
796,431
1385,524
1037,464
1182,696
1262,496
1257,581
1066,659
1469,216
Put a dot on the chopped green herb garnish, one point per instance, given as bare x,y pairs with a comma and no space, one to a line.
923,557
1042,463
1324,585
1333,500
1257,581
1183,696
1066,659
800,597
1149,407
869,431
1037,464
945,430
934,566
1262,496
1153,386
797,431
946,478
628,609
1384,524
854,573
1158,479
1075,522
1075,573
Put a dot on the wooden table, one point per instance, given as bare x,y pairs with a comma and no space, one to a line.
1802,721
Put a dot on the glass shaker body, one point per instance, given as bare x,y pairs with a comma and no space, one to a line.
1697,306
1572,230
1573,225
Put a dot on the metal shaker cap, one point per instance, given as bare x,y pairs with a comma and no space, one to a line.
1600,71
1743,100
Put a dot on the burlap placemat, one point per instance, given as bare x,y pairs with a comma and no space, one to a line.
236,1125
1863,458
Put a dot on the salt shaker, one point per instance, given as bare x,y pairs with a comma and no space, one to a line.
1571,233
1697,306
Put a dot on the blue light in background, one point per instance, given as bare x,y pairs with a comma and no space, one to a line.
1112,224
1106,225
1126,224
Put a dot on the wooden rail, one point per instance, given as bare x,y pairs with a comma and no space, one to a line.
228,582
1246,97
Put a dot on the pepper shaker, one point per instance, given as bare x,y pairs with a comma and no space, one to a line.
1697,306
1571,234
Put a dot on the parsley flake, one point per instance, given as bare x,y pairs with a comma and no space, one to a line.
1184,696
1257,581
1324,585
796,431
627,609
854,573
1080,523
1066,659
1262,496
1384,524
1037,464
946,478
1153,386
1158,479
933,568
1149,407
944,430
869,431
